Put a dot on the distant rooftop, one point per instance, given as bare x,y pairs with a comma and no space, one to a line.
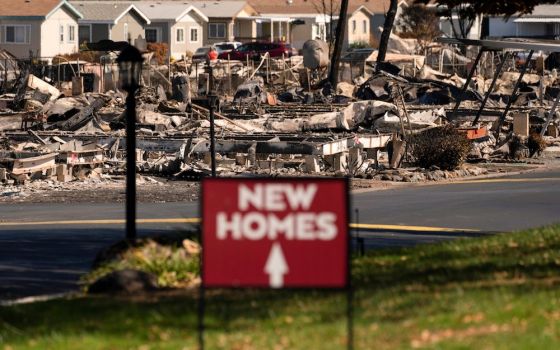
545,11
105,11
169,10
32,8
166,9
315,7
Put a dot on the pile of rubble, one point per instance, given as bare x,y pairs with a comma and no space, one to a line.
277,121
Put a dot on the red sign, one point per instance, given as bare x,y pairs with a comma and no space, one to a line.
277,233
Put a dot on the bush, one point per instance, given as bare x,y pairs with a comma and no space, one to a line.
444,147
160,51
83,55
170,262
359,45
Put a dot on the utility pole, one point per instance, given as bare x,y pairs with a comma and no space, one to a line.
340,30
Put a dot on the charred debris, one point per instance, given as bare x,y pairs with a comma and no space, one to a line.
279,116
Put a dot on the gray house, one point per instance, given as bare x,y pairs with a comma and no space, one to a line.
179,25
43,28
117,21
543,22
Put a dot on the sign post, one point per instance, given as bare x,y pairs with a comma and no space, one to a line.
275,233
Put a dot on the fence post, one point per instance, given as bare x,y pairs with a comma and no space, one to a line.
229,73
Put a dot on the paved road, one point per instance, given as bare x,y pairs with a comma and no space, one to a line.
43,249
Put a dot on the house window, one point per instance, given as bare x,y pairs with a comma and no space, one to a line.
61,33
126,31
84,33
364,26
152,35
353,26
216,30
194,35
71,34
16,34
180,37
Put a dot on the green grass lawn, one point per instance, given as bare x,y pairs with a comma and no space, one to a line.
499,292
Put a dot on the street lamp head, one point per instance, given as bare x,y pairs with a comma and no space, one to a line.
130,68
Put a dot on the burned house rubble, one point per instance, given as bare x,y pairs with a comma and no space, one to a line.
278,116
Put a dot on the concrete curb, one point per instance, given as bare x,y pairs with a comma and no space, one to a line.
391,185
38,298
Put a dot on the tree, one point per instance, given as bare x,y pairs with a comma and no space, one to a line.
340,30
419,22
387,28
461,19
329,9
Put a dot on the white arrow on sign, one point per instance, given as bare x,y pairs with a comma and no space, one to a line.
276,266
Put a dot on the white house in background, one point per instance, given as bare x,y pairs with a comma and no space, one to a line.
297,21
543,22
179,25
43,28
359,26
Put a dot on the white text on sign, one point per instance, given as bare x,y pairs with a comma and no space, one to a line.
262,224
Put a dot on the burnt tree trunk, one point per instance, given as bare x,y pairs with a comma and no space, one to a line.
387,28
340,30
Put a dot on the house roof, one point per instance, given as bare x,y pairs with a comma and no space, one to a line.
106,11
169,11
210,8
545,11
314,7
34,8
220,8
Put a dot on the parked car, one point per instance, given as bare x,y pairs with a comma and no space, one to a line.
227,46
255,50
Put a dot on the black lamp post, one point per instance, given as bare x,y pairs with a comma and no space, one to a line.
130,69
212,104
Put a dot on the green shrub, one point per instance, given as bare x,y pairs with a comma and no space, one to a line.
359,45
171,264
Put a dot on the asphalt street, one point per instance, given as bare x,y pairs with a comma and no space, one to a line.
45,248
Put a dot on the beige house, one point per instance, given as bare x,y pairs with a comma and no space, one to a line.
297,21
228,20
43,28
110,20
358,29
180,26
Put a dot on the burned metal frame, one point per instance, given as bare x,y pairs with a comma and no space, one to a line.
514,93
466,85
550,114
324,148
491,88
497,45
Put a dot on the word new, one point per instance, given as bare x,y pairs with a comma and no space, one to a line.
268,211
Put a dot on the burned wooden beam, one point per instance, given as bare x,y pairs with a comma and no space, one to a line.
82,117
